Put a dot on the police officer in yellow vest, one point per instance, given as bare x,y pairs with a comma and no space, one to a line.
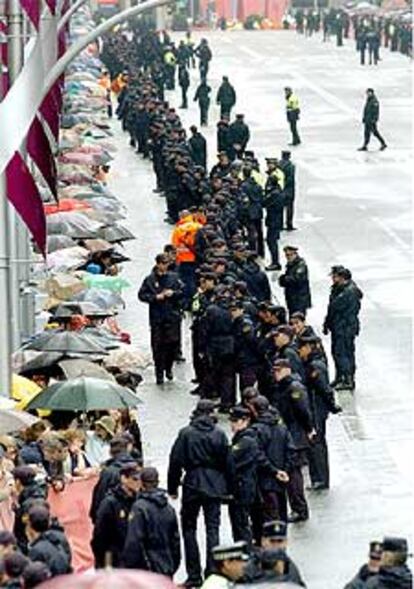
273,169
292,113
230,562
169,67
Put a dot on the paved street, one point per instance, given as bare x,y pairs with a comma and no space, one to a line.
352,208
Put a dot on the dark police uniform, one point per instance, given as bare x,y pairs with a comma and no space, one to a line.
201,451
343,324
295,282
153,539
165,318
111,525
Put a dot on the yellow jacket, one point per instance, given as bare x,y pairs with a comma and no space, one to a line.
292,103
169,58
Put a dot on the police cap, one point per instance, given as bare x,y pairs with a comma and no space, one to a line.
286,154
275,529
236,304
394,544
237,413
205,407
236,551
240,116
290,248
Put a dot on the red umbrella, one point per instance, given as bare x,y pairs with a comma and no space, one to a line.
65,205
112,579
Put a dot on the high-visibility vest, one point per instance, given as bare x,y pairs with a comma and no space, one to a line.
169,58
292,103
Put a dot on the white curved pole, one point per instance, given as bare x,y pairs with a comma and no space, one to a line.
68,14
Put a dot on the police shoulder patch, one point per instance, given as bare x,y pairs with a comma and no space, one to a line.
122,514
246,328
296,395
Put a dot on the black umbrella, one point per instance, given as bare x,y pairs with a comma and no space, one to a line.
65,341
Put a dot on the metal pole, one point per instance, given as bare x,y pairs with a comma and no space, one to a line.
68,14
5,372
18,238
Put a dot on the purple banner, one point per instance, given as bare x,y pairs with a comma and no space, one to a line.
52,5
32,9
50,110
39,150
22,192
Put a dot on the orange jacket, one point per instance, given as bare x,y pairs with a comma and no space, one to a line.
183,238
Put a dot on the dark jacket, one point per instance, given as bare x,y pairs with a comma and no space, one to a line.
293,404
252,198
219,331
295,281
343,309
153,539
371,111
108,480
397,577
290,353
245,454
288,168
167,310
223,139
46,548
33,491
320,392
183,77
239,133
278,448
198,149
245,342
201,452
111,526
57,534
257,281
226,95
274,202
202,94
360,579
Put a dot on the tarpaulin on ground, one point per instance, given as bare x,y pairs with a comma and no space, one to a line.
71,507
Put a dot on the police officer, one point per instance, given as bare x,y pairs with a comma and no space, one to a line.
289,170
295,281
292,402
184,83
252,199
275,537
230,563
239,135
203,52
274,202
247,358
202,96
293,114
369,569
198,147
153,539
342,323
276,461
322,402
370,119
285,349
42,547
111,521
163,290
393,571
226,98
201,451
245,455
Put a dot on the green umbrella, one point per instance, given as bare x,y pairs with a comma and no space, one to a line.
84,394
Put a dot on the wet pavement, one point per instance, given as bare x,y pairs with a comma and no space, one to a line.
352,208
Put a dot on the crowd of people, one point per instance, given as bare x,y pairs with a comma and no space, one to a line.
371,32
255,360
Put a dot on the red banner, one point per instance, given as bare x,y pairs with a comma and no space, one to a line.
71,507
